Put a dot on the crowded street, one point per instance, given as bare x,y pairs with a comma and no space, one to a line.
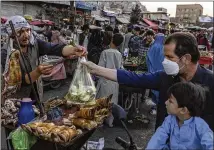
79,75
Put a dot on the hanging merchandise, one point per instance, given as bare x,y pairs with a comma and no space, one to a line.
82,89
12,74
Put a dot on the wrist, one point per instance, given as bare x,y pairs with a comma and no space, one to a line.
99,70
68,50
38,72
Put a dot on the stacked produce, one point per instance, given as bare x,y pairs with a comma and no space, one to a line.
205,54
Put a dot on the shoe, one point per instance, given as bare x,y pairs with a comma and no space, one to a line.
149,102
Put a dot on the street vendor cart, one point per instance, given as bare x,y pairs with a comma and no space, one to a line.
84,128
58,123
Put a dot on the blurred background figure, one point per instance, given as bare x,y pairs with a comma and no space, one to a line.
154,59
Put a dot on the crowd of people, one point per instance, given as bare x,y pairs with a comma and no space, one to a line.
184,108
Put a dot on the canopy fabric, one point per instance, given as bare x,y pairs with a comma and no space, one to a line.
194,27
85,5
122,20
95,27
98,18
41,22
150,23
109,13
143,24
3,20
210,29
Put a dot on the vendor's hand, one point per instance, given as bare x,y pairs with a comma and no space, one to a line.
91,67
71,52
44,69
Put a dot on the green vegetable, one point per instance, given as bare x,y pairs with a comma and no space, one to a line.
21,140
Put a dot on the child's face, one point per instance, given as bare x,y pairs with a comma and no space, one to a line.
172,106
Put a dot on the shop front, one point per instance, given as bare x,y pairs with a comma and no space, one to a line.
111,15
83,11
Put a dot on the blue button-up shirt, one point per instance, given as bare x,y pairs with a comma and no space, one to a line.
193,134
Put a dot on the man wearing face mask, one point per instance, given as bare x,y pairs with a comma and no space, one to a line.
32,48
180,65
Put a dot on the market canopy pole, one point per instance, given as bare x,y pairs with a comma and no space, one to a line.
26,69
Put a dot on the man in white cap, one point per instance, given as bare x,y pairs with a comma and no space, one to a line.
33,48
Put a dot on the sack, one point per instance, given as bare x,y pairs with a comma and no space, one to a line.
82,89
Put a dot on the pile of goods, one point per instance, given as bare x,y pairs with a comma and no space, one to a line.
52,132
139,61
206,58
10,110
75,120
205,54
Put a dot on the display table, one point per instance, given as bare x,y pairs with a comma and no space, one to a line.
75,144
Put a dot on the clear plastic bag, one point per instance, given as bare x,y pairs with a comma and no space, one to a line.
82,89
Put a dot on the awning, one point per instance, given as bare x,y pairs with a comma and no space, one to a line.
3,20
122,20
41,22
99,18
109,13
143,24
85,5
150,23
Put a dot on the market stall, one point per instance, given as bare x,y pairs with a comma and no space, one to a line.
58,123
65,126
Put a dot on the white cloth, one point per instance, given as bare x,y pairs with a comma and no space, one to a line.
18,22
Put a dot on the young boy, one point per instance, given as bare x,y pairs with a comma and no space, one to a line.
110,58
183,128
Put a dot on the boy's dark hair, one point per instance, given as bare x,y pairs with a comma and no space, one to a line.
142,31
109,28
116,30
189,95
150,32
117,39
129,29
186,43
107,38
85,27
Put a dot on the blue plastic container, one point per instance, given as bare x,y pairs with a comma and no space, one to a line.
26,113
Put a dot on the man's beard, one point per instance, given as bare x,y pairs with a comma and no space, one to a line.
23,45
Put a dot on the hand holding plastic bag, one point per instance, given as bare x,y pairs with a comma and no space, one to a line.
82,89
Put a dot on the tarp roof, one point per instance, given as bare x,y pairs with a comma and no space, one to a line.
122,20
99,18
150,23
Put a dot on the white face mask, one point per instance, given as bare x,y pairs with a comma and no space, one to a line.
170,67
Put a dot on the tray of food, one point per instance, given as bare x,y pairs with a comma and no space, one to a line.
72,123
